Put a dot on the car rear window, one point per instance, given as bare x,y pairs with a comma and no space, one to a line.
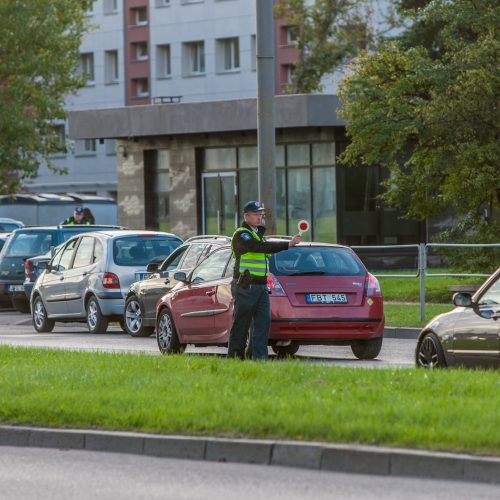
29,244
141,250
329,261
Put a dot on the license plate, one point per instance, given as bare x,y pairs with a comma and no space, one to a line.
16,288
326,298
141,276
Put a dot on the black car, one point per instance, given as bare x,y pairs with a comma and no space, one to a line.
469,335
28,242
139,316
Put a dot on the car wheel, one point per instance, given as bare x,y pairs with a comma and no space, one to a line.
285,350
166,335
430,353
133,319
96,322
367,349
21,305
41,323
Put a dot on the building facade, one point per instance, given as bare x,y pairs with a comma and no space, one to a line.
190,167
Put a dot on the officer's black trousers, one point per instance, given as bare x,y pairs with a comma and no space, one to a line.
250,304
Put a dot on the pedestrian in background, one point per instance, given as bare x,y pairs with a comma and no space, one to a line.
88,216
76,219
249,285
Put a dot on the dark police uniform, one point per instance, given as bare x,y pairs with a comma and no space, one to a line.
249,289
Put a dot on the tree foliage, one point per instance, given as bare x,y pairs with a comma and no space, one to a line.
429,112
328,33
39,55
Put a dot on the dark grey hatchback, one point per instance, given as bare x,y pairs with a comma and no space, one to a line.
469,335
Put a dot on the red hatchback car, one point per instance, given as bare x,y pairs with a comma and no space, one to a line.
321,294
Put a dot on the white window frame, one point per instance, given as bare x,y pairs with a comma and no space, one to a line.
228,55
85,147
194,60
140,92
136,18
110,6
111,67
162,3
87,67
141,51
163,61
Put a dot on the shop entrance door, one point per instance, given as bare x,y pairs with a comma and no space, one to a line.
220,214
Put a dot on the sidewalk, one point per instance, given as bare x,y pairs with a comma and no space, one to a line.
309,455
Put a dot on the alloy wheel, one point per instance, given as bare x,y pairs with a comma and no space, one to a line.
165,331
428,355
92,314
39,314
133,316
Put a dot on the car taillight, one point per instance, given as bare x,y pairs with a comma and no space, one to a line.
372,286
27,269
110,280
275,286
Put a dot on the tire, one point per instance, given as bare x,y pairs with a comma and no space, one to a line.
133,319
41,323
21,305
285,350
429,352
367,349
96,322
166,334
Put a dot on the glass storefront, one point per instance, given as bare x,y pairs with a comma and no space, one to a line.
305,187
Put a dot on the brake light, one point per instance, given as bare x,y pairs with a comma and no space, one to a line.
27,269
274,286
372,286
110,280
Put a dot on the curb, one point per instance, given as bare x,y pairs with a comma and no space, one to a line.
399,332
309,455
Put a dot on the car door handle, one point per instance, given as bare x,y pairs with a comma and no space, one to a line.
210,293
61,278
167,281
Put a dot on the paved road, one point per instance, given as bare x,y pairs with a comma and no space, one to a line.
16,329
47,474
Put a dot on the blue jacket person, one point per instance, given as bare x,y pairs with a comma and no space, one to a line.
249,285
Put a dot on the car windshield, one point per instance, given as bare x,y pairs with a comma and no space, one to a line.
319,261
7,227
141,250
29,244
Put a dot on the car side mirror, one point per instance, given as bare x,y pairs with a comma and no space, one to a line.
462,299
43,265
181,276
152,267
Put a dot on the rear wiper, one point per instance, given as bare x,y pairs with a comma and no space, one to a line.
308,273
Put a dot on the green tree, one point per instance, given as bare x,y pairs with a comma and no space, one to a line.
39,55
429,113
328,32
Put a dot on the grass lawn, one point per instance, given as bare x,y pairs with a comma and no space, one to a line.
409,314
436,288
201,395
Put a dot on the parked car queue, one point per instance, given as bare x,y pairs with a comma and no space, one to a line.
186,298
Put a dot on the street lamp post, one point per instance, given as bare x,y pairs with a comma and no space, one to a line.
265,111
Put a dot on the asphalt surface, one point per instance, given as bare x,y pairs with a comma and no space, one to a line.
51,474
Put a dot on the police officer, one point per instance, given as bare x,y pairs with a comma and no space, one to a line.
76,218
249,285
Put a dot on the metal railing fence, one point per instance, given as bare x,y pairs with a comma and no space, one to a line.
422,254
